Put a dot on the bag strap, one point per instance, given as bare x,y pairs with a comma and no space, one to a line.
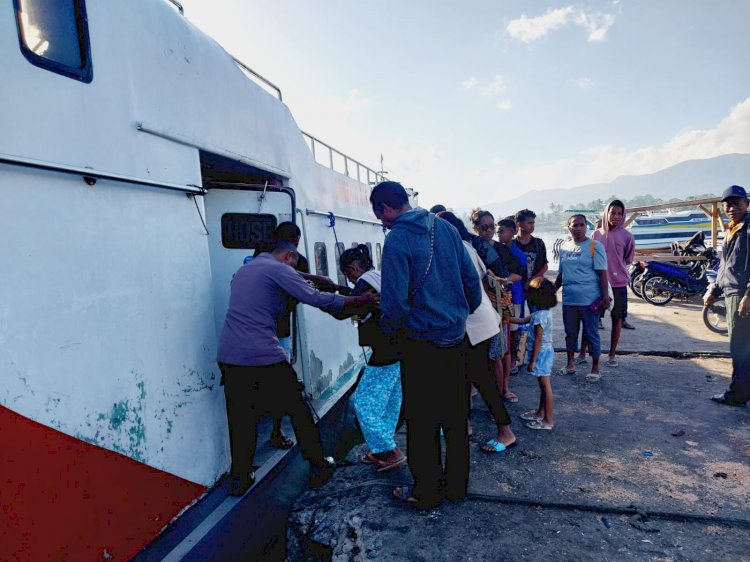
593,250
429,261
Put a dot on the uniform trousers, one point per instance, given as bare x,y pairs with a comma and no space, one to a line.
254,392
739,349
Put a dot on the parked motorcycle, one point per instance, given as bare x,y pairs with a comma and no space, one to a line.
695,246
664,281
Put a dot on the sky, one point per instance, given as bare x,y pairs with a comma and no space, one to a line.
477,101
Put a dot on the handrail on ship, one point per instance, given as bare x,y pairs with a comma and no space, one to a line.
313,141
263,80
178,5
378,176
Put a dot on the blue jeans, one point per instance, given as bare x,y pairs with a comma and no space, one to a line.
571,317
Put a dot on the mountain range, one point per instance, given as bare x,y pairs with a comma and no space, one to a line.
691,177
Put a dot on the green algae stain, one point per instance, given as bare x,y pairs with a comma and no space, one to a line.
119,414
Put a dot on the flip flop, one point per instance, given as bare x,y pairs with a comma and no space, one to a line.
564,371
510,397
369,458
593,377
493,446
386,466
539,424
611,363
531,415
580,361
628,326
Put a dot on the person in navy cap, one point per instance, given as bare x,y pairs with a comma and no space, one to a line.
733,281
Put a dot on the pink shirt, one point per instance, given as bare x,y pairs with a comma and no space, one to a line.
620,246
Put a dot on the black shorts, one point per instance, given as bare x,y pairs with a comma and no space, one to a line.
620,308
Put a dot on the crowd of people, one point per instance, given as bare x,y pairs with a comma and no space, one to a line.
451,313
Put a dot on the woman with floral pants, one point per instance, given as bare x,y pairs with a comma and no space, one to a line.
377,399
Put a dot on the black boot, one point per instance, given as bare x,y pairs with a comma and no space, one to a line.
321,472
241,484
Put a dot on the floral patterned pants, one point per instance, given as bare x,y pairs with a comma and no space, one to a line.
377,402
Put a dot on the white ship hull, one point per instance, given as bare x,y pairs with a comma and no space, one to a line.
113,289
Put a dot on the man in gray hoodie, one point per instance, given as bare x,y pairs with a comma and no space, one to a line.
429,288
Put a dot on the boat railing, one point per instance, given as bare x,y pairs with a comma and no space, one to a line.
177,5
258,79
340,162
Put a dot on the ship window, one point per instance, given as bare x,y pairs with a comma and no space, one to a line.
340,250
378,256
321,259
247,231
54,35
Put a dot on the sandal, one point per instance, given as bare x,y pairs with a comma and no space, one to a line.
593,377
369,458
385,466
493,446
510,397
403,495
565,371
539,424
281,441
580,361
531,415
611,363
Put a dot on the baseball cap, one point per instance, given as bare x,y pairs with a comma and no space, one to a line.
734,191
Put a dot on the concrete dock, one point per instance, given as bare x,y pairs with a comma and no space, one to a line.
640,466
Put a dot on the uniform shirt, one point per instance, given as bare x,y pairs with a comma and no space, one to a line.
260,294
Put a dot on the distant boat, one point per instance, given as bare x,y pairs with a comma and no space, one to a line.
657,231
653,231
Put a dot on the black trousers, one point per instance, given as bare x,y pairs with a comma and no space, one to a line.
739,348
253,392
480,375
436,396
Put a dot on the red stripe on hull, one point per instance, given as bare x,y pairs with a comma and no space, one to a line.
62,498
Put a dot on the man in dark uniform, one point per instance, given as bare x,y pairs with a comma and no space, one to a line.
734,282
256,373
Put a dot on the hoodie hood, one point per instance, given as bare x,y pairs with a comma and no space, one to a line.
417,221
605,220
